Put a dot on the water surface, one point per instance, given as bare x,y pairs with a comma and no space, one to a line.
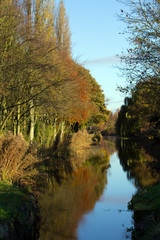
92,204
110,217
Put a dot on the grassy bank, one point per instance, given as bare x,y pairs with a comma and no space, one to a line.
11,200
146,207
18,206
18,213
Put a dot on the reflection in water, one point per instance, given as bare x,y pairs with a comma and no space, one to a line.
136,162
91,204
110,217
64,205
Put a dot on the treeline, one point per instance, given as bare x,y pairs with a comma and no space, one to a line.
141,66
43,91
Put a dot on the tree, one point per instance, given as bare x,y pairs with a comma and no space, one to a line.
142,61
99,113
141,64
11,58
42,89
145,104
27,59
128,123
63,33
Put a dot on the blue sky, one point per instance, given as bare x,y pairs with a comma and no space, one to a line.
96,41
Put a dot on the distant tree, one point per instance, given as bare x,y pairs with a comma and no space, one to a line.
99,113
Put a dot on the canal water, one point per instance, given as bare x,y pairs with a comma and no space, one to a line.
92,204
110,217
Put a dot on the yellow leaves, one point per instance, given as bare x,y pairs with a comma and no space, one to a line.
45,18
128,115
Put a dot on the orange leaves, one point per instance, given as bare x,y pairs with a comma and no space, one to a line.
79,100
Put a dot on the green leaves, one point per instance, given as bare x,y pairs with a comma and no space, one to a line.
141,64
143,27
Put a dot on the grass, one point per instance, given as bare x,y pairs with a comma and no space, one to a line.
146,206
13,201
147,199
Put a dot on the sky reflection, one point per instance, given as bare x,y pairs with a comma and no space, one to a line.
110,217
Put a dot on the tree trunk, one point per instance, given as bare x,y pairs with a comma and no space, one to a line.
14,125
5,120
4,117
1,111
18,118
24,125
62,127
32,120
55,129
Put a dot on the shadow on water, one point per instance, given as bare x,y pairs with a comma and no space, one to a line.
136,162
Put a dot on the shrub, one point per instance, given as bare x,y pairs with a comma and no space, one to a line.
80,147
16,160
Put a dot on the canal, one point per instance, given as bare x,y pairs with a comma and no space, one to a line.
93,204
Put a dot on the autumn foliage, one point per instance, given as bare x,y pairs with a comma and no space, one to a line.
41,85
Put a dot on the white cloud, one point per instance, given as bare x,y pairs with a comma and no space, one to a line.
105,60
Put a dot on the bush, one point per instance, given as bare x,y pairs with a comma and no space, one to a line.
80,147
16,160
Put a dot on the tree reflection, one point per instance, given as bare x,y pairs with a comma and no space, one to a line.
135,161
64,205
